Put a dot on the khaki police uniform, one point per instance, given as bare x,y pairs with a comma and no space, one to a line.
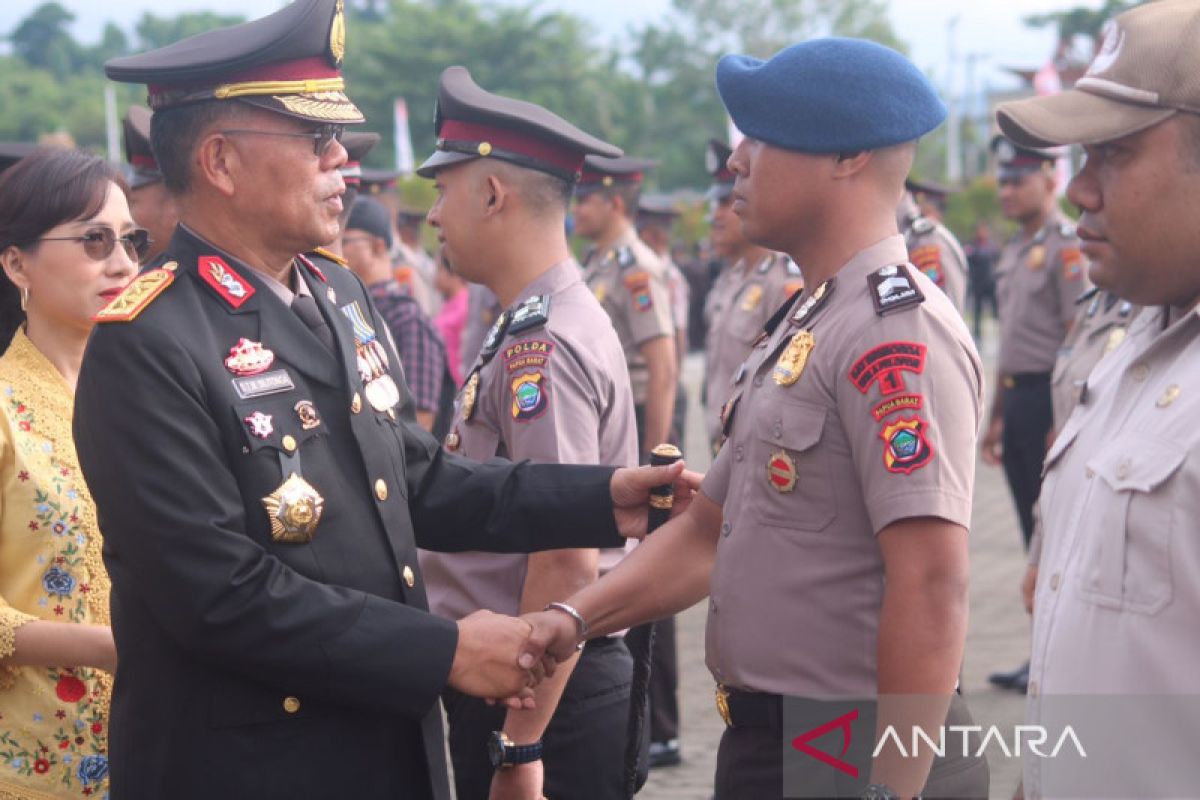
934,250
630,282
1037,282
859,410
739,305
1116,598
550,385
482,310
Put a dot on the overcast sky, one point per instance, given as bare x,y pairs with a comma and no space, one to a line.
990,28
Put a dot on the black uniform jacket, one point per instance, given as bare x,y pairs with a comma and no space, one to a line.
255,668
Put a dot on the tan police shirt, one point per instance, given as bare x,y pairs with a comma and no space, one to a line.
1100,326
630,282
482,310
934,250
877,425
1037,282
742,305
551,391
1118,597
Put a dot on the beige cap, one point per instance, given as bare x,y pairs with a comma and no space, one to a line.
1147,70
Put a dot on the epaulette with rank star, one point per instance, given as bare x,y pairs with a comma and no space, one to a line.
495,336
140,292
921,226
530,314
625,257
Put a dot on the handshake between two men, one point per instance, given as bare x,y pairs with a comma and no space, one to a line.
502,658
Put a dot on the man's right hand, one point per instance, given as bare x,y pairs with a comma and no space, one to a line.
990,447
485,661
552,641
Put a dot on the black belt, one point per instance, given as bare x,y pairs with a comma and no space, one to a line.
741,709
1022,380
601,642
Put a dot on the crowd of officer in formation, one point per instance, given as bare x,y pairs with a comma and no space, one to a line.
357,500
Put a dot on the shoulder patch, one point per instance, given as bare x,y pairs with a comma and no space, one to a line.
528,354
921,226
529,400
530,314
928,259
221,278
625,257
1072,262
638,284
135,297
892,289
906,447
886,364
332,256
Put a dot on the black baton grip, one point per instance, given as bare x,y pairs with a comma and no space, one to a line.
662,498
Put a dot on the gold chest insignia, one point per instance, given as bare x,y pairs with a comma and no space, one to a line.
791,361
469,394
294,510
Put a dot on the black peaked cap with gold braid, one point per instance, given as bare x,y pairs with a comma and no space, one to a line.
289,62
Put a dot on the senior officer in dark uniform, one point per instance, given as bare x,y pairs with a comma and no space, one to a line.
257,471
1039,275
550,385
831,530
150,204
630,282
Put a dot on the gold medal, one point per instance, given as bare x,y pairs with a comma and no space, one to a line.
792,360
1114,339
752,297
1037,257
469,393
294,510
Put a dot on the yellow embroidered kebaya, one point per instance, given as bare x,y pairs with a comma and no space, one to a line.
53,720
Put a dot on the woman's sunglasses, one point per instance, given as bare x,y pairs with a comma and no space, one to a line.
99,244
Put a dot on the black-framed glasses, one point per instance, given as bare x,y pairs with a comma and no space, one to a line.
322,137
100,243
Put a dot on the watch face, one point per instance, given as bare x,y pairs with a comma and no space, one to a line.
496,749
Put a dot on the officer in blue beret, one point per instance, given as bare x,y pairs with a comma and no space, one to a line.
831,531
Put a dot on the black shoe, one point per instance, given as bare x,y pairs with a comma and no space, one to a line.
1017,679
665,754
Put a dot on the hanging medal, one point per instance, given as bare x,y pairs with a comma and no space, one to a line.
372,361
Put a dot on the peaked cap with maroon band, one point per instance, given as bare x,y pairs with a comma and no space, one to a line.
357,146
600,172
144,168
289,62
472,123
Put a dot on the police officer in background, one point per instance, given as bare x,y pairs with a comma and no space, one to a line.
932,247
1039,276
752,284
831,530
245,431
550,385
150,204
1117,597
630,282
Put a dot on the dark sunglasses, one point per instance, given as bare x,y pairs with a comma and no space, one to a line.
99,244
322,138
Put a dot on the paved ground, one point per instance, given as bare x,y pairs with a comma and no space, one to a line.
997,638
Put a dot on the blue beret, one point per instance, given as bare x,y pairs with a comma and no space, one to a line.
830,95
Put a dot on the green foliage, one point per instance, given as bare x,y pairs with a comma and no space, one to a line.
154,31
978,201
1081,20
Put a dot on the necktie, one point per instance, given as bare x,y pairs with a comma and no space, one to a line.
306,309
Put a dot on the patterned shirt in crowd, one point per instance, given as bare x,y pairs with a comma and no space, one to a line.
422,352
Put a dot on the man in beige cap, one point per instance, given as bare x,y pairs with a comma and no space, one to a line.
1117,595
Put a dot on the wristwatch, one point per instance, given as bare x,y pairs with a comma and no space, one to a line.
503,753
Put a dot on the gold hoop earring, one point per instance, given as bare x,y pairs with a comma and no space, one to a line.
25,298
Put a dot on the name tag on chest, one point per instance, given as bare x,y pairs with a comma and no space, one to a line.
259,385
